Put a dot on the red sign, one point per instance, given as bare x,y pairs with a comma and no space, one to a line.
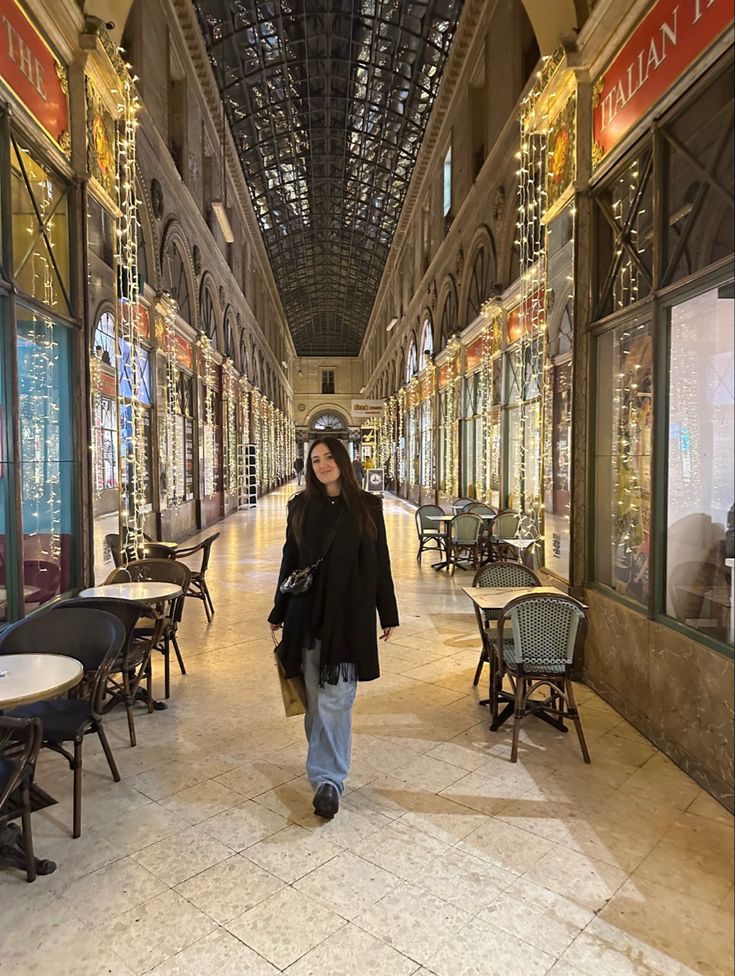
107,384
666,42
29,68
182,351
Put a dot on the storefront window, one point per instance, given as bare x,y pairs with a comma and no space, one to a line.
473,479
427,444
105,432
40,230
46,456
701,480
140,384
444,435
623,459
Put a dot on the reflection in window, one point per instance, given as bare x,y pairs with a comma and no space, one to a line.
46,456
447,183
104,339
701,480
623,462
105,434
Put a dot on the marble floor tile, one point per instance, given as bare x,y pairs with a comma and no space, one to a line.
150,933
480,949
348,884
229,888
109,891
349,951
400,850
218,953
464,880
413,921
182,855
584,880
285,926
201,802
242,826
292,853
505,846
71,949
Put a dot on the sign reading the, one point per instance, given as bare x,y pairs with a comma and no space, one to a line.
666,42
367,408
29,68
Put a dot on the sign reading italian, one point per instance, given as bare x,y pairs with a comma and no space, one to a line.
666,42
30,69
367,408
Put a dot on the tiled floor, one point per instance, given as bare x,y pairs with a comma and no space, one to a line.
445,859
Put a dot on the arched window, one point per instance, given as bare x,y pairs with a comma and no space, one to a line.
229,333
449,316
207,317
412,361
244,361
327,422
175,280
103,343
427,343
481,282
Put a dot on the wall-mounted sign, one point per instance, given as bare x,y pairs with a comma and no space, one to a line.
31,70
182,352
100,140
666,42
367,408
375,481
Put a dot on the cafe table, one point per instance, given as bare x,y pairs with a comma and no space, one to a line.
145,591
24,679
497,598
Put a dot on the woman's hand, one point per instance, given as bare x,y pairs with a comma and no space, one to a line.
275,627
387,631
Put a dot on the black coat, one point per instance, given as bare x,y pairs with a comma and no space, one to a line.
352,583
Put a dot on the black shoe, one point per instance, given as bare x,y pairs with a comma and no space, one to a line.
326,801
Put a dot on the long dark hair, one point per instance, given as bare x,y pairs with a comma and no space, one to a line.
314,491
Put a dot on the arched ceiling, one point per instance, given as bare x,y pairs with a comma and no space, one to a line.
328,101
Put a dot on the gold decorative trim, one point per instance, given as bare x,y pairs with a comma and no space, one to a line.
597,91
63,75
598,153
65,142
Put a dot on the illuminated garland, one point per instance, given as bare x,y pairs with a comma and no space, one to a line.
133,462
452,460
402,473
174,491
244,441
257,437
229,381
208,445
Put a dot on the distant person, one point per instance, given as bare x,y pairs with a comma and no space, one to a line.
298,467
369,464
102,354
359,470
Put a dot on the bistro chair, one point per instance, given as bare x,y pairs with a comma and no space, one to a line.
505,526
134,663
160,571
96,639
465,537
427,530
20,740
112,541
538,637
481,509
461,504
496,574
198,589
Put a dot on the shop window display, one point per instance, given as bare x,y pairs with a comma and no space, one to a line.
105,433
701,481
473,481
427,443
623,459
46,456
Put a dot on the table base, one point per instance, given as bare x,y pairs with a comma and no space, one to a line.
13,853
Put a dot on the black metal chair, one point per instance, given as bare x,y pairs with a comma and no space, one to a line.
427,530
20,740
161,571
96,639
198,589
134,663
149,550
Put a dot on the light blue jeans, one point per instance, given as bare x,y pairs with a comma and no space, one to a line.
328,725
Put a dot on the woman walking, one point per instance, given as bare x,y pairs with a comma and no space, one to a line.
330,632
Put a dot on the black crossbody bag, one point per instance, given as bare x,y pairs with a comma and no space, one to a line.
300,581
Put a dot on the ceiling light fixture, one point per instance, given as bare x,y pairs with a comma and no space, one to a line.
284,364
220,212
393,322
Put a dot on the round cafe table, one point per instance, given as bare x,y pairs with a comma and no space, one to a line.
147,591
26,678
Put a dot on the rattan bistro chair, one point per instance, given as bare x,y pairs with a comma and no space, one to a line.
198,590
546,631
161,571
95,639
20,740
465,539
134,663
428,531
461,504
496,574
505,526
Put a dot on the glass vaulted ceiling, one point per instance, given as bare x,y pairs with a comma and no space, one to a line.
328,101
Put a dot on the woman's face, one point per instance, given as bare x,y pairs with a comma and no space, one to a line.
325,467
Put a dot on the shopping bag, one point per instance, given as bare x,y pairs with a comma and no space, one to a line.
293,690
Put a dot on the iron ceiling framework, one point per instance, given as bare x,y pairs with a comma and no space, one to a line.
328,102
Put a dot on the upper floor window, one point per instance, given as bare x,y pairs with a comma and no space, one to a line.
447,183
327,381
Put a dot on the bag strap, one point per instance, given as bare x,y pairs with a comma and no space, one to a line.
330,540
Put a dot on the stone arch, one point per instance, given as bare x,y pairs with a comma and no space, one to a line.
481,277
553,23
449,318
411,362
177,272
229,333
244,364
426,346
327,408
